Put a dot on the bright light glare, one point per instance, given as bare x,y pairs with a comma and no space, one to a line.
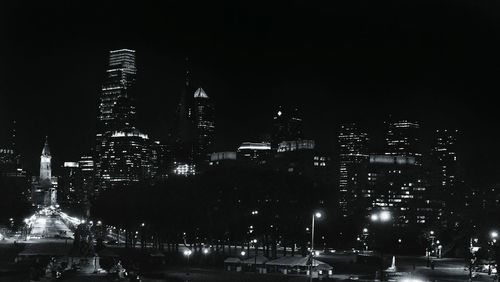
385,215
205,251
316,253
494,234
318,215
187,252
243,253
374,217
412,280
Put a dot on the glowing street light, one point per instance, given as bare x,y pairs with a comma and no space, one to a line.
381,216
493,234
385,216
187,253
243,253
317,215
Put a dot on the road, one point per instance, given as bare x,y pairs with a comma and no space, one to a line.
49,226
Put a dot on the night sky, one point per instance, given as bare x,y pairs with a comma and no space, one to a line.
435,61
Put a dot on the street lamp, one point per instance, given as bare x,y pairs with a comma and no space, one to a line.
493,236
187,253
381,217
254,241
432,247
317,215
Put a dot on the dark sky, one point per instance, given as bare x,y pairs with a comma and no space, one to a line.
435,61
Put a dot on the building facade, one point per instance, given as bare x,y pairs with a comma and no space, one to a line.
287,126
204,128
353,165
44,188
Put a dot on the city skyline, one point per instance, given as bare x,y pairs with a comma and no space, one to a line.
344,82
291,139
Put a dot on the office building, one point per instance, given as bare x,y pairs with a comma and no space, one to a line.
353,164
204,127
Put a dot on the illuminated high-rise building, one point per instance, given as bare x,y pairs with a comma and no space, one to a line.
287,126
403,139
353,149
122,154
204,127
127,158
181,134
192,134
12,175
397,179
446,178
116,110
444,154
120,79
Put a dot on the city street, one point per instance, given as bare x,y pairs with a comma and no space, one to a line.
50,227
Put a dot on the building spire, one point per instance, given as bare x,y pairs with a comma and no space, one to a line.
200,93
188,71
46,150
45,164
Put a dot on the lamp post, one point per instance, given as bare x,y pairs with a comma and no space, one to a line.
187,253
205,253
493,236
317,215
254,241
381,217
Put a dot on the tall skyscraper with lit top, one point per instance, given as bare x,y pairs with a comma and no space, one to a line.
122,152
287,126
204,127
120,80
192,134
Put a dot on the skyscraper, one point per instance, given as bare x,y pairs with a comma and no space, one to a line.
444,154
403,138
192,135
126,159
287,126
181,135
397,180
445,174
122,152
11,172
353,153
120,79
204,127
116,110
